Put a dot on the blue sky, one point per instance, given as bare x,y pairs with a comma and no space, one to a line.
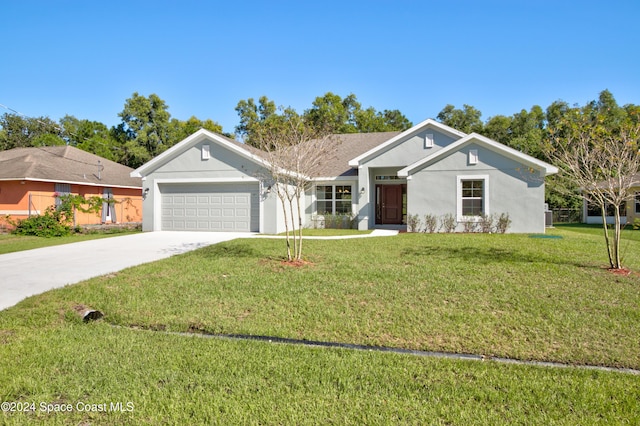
85,58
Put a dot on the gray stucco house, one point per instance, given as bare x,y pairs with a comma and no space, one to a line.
208,182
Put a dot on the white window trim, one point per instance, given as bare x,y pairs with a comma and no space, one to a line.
485,197
333,200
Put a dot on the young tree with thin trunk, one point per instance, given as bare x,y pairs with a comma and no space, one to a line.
603,161
295,150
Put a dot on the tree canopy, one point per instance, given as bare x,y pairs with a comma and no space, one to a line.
597,149
145,131
330,113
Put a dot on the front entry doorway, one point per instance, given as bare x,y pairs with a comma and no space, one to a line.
391,204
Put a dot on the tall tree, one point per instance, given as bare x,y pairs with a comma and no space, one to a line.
347,116
527,131
90,136
601,160
19,131
293,148
179,130
253,115
334,113
499,129
146,122
466,120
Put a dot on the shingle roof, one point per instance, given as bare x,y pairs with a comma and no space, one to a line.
348,147
64,164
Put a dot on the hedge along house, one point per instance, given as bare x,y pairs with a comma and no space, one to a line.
32,179
210,182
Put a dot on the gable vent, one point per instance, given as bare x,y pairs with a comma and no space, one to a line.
206,152
428,140
473,156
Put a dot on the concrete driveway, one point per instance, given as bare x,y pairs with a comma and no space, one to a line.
30,272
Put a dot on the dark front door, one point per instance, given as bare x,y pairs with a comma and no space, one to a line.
389,204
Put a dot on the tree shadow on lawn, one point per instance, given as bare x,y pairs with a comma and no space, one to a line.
491,255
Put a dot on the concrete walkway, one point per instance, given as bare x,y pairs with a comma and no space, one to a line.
374,233
30,272
25,273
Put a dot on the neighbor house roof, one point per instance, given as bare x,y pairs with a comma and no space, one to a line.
64,164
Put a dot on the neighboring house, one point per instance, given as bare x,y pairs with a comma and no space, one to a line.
32,179
629,211
209,182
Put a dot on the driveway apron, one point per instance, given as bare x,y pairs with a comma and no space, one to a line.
26,273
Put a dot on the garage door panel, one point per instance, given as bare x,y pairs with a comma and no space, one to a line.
210,207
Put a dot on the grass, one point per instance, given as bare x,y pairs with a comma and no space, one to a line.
504,295
180,380
10,243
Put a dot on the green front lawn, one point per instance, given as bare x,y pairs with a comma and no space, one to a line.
506,295
11,243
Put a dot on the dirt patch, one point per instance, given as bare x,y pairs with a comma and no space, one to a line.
621,272
296,263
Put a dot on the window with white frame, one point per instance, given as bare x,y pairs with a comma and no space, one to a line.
333,199
472,197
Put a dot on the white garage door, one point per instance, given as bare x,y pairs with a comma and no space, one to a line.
210,207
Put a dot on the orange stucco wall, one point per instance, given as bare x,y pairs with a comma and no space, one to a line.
18,199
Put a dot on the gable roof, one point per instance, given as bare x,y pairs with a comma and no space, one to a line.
426,124
64,164
485,142
350,145
347,146
201,135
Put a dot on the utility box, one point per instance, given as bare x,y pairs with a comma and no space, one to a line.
548,216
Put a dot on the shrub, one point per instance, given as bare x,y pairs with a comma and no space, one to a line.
50,224
469,226
334,221
430,223
503,223
449,222
413,223
486,223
